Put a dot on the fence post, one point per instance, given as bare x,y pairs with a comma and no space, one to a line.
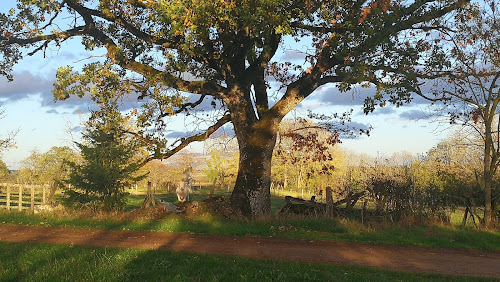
32,198
43,195
329,202
8,197
20,200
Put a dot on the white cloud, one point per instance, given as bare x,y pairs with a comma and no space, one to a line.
387,110
24,85
293,55
52,111
330,94
416,115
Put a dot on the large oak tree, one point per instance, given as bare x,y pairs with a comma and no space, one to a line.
228,51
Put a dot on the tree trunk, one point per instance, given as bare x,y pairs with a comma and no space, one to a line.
256,130
251,195
52,192
488,177
212,191
285,182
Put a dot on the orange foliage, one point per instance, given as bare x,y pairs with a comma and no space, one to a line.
383,4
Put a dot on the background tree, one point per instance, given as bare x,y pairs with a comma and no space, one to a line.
51,167
305,156
29,172
111,159
8,141
455,165
159,174
179,164
470,81
226,50
221,161
4,171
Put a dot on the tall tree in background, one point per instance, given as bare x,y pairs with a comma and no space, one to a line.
221,161
226,50
111,161
50,168
305,153
471,82
111,155
4,171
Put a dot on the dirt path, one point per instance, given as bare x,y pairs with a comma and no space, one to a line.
404,258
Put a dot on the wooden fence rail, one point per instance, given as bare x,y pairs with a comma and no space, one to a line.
25,196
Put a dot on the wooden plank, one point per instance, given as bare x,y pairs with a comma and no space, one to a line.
20,199
32,206
44,199
8,197
36,195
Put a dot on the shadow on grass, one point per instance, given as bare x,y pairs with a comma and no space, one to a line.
41,262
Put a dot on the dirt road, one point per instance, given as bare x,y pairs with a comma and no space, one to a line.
404,258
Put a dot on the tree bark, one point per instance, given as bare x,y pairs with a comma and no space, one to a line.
256,130
52,192
488,177
252,195
212,191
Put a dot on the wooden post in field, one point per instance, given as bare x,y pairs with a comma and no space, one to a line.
20,200
32,206
43,195
363,211
329,202
150,193
8,197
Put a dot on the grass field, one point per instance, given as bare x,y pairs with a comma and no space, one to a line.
41,262
450,236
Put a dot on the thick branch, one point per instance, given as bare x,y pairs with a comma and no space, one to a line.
185,106
10,40
197,87
258,69
121,21
186,141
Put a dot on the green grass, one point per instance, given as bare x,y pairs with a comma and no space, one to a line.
288,227
450,236
42,262
135,200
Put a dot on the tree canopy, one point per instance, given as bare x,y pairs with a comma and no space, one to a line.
227,53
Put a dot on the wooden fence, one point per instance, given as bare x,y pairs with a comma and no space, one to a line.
22,197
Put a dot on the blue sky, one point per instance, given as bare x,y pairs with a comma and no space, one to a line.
43,124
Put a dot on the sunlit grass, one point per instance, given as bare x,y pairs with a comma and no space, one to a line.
451,236
42,262
281,227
